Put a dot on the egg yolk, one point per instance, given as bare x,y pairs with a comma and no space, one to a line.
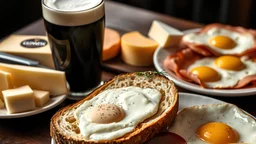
106,113
206,74
222,42
217,133
229,63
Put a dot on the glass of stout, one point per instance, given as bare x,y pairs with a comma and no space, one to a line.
75,30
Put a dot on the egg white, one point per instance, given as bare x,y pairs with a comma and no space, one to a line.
229,78
244,41
138,104
189,119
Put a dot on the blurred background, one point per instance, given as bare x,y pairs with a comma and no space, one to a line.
15,14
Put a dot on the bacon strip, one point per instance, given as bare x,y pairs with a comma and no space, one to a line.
246,81
180,61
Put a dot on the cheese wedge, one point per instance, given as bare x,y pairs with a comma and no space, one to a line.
14,44
164,34
41,97
112,44
1,104
37,78
5,82
19,99
137,50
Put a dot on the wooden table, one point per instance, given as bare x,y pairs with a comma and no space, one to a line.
35,129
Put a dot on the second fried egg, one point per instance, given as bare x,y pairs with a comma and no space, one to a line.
224,71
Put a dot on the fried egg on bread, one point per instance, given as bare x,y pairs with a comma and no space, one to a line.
218,39
130,108
213,72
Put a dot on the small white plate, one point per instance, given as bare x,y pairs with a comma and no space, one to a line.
161,53
53,102
187,100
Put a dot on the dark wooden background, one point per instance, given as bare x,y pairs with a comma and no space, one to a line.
15,14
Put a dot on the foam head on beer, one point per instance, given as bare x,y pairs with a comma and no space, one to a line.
72,5
73,12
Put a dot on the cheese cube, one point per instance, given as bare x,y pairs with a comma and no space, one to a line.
14,45
37,78
41,97
19,99
5,82
164,34
137,50
1,104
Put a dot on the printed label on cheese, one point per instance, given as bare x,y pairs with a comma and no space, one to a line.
33,47
34,43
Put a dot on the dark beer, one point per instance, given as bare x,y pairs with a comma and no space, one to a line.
77,46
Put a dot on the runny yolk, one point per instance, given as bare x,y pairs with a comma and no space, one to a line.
206,74
222,42
217,133
229,63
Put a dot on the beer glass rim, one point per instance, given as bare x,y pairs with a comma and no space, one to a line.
73,18
70,12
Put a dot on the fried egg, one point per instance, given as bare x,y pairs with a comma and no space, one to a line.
217,124
224,71
116,112
221,41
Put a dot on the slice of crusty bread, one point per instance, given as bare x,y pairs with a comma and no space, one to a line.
64,127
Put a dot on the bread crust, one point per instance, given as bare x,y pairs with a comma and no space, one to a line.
139,135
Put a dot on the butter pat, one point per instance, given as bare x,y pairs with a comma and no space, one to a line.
19,99
5,82
1,104
41,97
137,50
37,78
164,34
29,46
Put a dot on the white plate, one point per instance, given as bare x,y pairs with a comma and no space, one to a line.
187,100
161,53
53,102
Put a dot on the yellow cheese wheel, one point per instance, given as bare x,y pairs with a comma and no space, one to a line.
112,44
137,50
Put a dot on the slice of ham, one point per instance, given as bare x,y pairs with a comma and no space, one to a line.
206,51
180,61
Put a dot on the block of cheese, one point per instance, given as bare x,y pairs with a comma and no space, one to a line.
41,97
1,104
137,50
29,46
164,34
19,99
5,82
112,44
37,78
